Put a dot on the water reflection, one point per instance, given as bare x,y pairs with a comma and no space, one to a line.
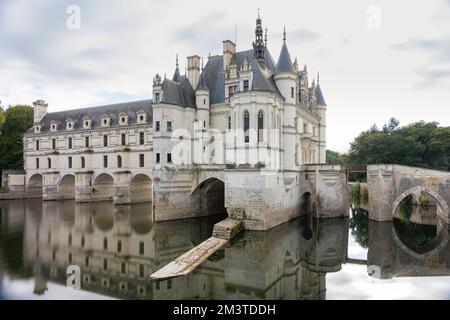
118,247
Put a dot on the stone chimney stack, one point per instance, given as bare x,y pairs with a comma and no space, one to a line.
193,70
229,50
40,110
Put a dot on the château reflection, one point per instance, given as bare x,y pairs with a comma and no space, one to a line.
118,247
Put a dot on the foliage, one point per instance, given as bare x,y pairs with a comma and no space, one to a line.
18,119
357,190
334,157
421,144
359,225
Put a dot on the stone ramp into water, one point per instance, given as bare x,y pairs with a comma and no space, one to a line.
186,263
183,265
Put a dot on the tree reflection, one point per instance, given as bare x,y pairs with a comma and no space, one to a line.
359,225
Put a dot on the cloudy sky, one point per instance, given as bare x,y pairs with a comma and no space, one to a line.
376,58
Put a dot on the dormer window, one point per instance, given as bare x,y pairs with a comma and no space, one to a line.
53,126
106,121
70,124
87,123
123,118
37,129
141,117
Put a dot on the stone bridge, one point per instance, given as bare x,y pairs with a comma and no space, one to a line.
389,184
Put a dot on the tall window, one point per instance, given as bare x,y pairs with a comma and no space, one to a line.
292,92
119,162
119,246
83,162
229,123
105,140
141,248
86,142
169,158
105,243
260,126
158,158
49,163
141,160
141,138
245,85
37,163
246,126
157,97
37,145
169,126
157,126
105,161
53,144
70,143
70,162
123,139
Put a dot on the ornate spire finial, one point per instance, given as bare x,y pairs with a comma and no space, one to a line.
258,45
284,34
202,64
176,61
318,77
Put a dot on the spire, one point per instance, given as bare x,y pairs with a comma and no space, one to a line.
284,63
176,76
318,78
265,38
258,45
319,95
202,81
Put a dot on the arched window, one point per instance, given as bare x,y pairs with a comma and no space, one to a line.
246,126
83,162
260,126
119,162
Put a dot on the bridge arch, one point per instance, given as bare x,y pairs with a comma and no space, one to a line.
103,187
66,187
141,188
35,183
210,194
442,206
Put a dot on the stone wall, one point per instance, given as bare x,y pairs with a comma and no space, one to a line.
389,184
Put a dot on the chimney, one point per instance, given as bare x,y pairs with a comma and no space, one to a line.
193,68
229,49
40,110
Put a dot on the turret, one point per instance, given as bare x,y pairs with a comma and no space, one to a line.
202,101
39,110
322,110
285,75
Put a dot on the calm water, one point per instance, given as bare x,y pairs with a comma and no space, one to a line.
118,247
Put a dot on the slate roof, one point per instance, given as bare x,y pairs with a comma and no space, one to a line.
284,63
319,97
96,113
215,78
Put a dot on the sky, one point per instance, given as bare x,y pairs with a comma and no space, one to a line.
377,59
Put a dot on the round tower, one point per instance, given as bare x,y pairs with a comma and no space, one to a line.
202,102
322,110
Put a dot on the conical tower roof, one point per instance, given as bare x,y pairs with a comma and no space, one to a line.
284,63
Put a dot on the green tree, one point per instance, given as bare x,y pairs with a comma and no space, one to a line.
334,157
2,118
18,119
421,144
